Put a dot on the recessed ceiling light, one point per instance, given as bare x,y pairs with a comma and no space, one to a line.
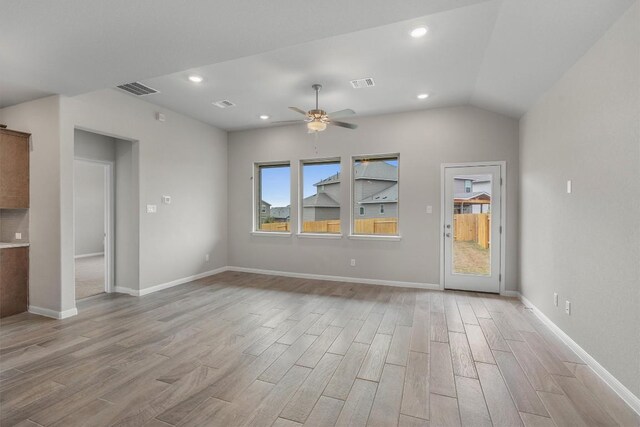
264,117
418,32
195,79
423,96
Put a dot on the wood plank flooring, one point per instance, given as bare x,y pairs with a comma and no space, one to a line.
241,349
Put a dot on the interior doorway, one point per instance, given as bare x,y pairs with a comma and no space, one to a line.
472,227
93,226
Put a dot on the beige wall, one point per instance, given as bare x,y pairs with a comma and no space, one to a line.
424,139
586,245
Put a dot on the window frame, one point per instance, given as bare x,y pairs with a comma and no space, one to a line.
257,197
352,209
301,165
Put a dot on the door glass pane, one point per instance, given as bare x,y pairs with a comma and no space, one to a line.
471,233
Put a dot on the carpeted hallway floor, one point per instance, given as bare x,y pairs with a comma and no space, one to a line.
89,276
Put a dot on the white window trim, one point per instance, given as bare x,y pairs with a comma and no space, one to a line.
272,233
384,237
352,218
320,235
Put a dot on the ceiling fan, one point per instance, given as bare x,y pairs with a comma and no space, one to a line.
317,119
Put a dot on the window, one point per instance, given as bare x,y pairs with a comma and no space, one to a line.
273,197
320,206
467,186
375,184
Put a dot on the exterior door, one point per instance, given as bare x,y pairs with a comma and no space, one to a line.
472,227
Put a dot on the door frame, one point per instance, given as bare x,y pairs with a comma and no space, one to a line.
503,216
109,223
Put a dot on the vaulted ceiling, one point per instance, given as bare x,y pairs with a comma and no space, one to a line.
264,56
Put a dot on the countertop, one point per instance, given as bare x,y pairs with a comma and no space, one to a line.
13,245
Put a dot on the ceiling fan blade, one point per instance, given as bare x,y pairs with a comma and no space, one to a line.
281,122
298,110
342,113
343,124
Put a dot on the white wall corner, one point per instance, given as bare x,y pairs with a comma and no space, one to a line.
625,394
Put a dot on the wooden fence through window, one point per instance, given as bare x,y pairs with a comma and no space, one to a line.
473,228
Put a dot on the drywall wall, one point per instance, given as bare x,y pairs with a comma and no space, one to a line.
89,207
586,245
93,146
41,118
182,158
424,139
127,218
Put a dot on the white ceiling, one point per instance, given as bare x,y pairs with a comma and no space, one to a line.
264,56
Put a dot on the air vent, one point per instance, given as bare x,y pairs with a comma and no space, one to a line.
360,83
137,89
225,103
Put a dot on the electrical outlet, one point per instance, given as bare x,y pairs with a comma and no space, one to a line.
567,307
429,209
206,257
555,299
353,262
18,236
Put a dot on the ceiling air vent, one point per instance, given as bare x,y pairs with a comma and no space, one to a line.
225,103
360,83
137,89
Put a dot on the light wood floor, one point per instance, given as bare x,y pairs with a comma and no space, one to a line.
89,276
239,349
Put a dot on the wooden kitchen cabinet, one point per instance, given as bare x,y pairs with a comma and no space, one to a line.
14,281
14,169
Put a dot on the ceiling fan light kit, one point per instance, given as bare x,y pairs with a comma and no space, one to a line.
317,119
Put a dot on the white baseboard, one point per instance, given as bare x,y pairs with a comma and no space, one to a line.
123,290
156,288
511,294
625,394
88,255
52,313
418,285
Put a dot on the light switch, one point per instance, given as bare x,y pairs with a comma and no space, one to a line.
18,236
166,200
569,186
152,209
429,209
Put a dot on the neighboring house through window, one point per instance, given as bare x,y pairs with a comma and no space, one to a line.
375,195
273,201
320,182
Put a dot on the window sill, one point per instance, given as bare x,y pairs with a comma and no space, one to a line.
271,233
319,235
375,237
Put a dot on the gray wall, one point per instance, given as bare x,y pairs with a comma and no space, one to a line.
14,221
41,118
585,245
424,139
182,158
89,189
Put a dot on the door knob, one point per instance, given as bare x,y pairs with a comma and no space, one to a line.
448,234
